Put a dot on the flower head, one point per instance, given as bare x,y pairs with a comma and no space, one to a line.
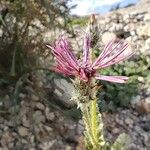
85,69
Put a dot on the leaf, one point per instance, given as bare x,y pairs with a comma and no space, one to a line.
122,142
13,70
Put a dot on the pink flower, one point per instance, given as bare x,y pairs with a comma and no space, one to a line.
67,63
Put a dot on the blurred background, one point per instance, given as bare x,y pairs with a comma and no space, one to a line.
35,107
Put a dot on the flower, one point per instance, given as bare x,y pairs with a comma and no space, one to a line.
85,68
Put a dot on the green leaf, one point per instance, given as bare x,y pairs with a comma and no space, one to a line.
122,142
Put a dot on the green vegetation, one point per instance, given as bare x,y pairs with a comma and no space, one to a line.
78,21
117,95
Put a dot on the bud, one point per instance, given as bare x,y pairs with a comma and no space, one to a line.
93,30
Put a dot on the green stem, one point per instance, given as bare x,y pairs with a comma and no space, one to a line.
94,139
94,119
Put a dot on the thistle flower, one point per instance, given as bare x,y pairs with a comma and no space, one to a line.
85,68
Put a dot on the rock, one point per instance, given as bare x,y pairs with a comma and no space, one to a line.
138,129
107,37
68,147
130,27
38,117
141,79
80,127
61,91
40,106
147,140
35,98
115,131
143,106
39,84
6,138
144,31
119,121
23,131
21,95
146,126
47,145
49,129
25,122
81,144
6,128
4,148
129,121
11,145
135,100
1,33
146,49
133,33
116,27
129,39
147,105
147,44
6,102
50,116
126,18
32,139
140,17
147,18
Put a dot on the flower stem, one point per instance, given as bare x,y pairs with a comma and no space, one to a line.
94,139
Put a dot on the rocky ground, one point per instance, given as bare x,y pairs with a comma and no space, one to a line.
35,123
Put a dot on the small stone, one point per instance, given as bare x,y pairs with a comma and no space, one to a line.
32,139
1,32
108,36
38,117
147,18
143,106
4,148
141,79
6,128
35,98
129,121
40,84
80,128
146,139
40,106
23,131
116,27
1,132
147,44
47,145
115,131
6,102
50,116
133,33
11,145
129,39
23,141
68,147
135,100
147,105
49,129
62,92
81,144
6,138
137,129
144,31
25,122
21,95
119,121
